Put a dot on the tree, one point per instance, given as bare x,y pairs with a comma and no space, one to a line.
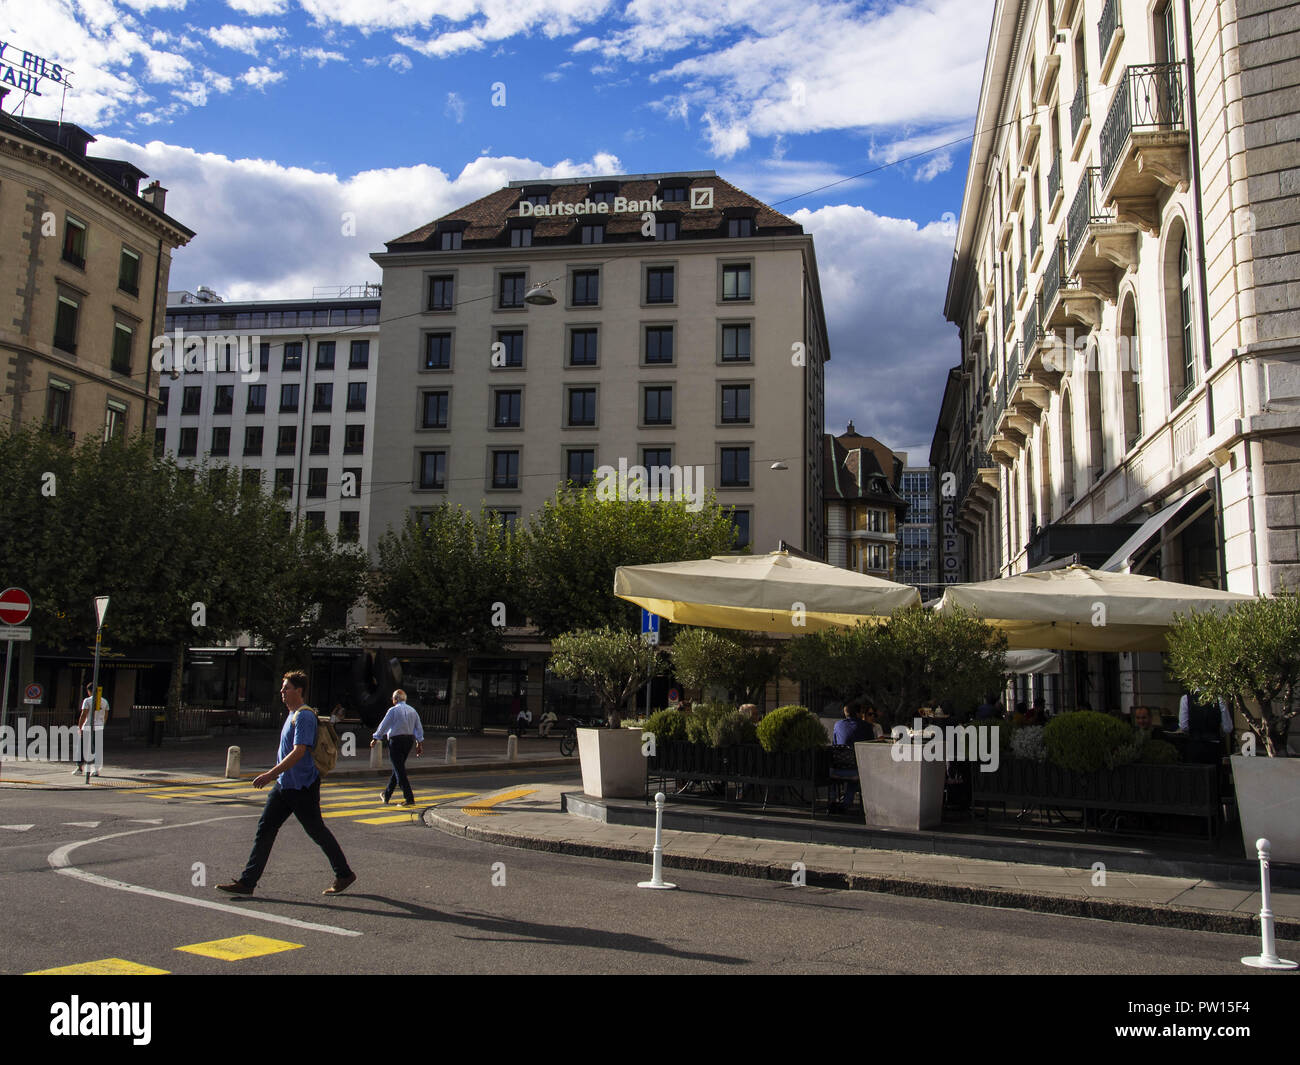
743,663
573,545
1248,656
613,663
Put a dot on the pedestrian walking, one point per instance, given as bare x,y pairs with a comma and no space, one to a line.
92,735
401,727
296,792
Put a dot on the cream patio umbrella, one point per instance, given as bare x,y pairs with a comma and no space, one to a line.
761,593
1082,609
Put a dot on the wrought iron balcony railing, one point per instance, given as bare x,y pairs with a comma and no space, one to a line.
1054,178
1009,311
1079,108
1086,210
1149,98
1107,26
1035,235
1013,366
1052,277
1020,275
1031,328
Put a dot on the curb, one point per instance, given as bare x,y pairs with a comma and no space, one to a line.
1148,914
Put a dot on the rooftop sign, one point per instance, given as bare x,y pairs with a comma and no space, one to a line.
26,70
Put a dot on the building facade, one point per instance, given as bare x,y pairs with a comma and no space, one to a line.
864,508
918,538
1125,282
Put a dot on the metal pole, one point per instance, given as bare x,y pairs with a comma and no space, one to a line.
1267,958
9,654
94,706
649,680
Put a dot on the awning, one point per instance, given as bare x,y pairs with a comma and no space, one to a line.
1033,661
1119,562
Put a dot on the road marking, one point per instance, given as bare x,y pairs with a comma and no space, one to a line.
17,828
237,948
60,861
103,967
84,824
392,819
145,820
367,809
482,807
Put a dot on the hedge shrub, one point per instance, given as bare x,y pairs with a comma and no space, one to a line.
699,722
1085,741
791,728
667,725
1158,752
732,730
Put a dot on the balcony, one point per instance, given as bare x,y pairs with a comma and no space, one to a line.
1144,143
1099,245
1043,358
1036,242
1047,78
1055,191
1064,9
1067,303
1022,277
1009,314
1017,194
1080,118
1008,228
1110,35
1029,145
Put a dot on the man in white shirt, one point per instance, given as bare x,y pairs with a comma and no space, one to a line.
91,734
547,719
401,727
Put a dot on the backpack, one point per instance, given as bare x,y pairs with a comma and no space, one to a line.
325,751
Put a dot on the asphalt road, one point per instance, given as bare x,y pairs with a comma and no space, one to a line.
140,870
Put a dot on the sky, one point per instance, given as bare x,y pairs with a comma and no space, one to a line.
297,136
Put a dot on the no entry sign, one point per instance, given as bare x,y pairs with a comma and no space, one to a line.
15,606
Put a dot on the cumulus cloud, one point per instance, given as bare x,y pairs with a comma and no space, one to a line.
258,7
321,56
245,39
261,77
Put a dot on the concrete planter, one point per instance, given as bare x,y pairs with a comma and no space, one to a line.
1268,802
899,794
612,764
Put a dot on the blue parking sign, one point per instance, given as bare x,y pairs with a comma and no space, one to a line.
649,621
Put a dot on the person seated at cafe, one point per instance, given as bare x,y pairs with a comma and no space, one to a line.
987,708
1144,722
870,722
751,711
848,730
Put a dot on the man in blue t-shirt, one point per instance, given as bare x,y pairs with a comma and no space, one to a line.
296,793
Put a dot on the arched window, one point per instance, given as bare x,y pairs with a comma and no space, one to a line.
1045,479
1098,460
1178,318
1130,367
1067,447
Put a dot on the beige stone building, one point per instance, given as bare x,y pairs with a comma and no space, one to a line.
85,257
1127,287
865,509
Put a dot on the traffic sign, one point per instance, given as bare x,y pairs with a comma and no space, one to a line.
33,694
649,621
21,633
15,606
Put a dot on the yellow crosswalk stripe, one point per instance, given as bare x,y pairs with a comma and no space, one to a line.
378,809
482,807
238,948
103,967
392,819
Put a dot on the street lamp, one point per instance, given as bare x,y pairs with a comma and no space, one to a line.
101,608
540,296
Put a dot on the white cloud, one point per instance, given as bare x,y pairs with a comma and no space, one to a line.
258,7
455,108
938,163
261,77
245,39
321,56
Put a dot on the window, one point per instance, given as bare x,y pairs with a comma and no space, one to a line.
435,411
191,397
657,408
740,520
604,196
359,355
252,440
505,469
164,396
115,422
593,234
876,556
256,399
221,440
351,486
582,347
586,288
286,442
521,237
189,446
349,526
511,352
510,290
320,440
659,344
537,199
582,406
356,395
325,355
264,357
322,396
656,456
735,467
288,398
58,405
741,227
1185,312
450,240
252,478
735,343
223,399
437,351
433,470
284,481
675,194
354,439
122,338
315,520
507,407
316,479
735,282
659,284
292,356
665,231
870,519
509,519
65,324
128,272
580,465
442,292
74,241
735,404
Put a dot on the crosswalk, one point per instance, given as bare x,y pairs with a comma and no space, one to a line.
232,949
359,803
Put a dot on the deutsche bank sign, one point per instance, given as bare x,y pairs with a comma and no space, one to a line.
701,200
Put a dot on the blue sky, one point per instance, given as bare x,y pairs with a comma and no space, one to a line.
267,119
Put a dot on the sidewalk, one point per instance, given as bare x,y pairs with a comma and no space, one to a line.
534,817
203,760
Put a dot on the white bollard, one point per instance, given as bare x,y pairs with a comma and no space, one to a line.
1267,958
657,870
232,762
377,755
512,748
451,750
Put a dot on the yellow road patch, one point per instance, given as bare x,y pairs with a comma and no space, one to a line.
392,819
482,808
237,948
103,967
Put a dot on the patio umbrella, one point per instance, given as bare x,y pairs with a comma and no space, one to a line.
760,592
1082,609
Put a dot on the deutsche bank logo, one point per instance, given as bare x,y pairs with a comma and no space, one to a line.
702,199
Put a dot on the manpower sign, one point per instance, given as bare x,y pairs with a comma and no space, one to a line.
701,200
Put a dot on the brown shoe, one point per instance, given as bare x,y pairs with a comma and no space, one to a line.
341,884
235,887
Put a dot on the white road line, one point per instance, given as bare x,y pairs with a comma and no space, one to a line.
60,862
17,828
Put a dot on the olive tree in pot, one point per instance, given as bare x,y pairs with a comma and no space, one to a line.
1250,657
613,663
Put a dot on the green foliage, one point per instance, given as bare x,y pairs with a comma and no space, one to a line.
1027,742
791,728
1250,656
613,663
743,663
668,726
732,730
1158,752
1085,741
702,718
698,657
573,545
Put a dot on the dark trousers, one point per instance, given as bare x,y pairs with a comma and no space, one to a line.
399,749
304,804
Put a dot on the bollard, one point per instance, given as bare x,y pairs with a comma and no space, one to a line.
232,762
377,755
512,748
451,750
657,870
1267,958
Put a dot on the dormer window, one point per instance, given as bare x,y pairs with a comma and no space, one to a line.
603,196
538,196
450,239
740,227
673,194
521,237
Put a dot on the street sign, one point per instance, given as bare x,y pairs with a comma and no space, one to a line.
649,622
651,637
33,694
15,606
21,633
